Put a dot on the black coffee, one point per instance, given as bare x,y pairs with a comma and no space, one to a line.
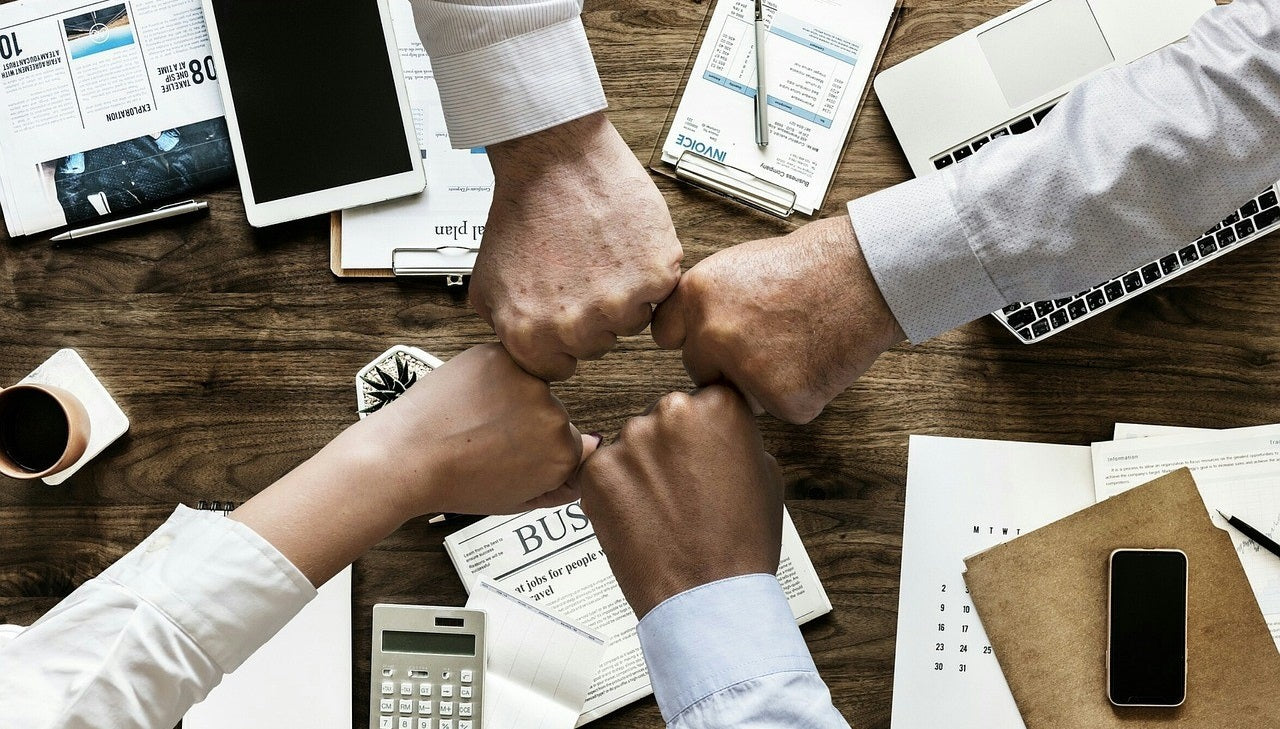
33,429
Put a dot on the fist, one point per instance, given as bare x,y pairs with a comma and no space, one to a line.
790,321
686,496
578,247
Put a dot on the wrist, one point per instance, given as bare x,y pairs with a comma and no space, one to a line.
572,144
402,475
868,310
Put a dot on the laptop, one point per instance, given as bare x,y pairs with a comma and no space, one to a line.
1004,77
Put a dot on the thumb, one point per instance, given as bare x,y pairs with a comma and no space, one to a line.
590,442
668,327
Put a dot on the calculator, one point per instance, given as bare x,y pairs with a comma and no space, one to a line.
427,669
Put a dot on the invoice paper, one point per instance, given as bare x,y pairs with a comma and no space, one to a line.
818,59
1237,471
965,496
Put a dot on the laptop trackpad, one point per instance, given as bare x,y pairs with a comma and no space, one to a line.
1042,49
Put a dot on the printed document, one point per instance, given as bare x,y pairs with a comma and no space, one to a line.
819,56
538,666
451,212
105,107
551,558
965,496
1237,471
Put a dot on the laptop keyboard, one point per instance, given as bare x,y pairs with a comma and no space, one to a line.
1033,321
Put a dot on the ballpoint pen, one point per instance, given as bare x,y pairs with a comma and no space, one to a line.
167,211
1252,533
762,95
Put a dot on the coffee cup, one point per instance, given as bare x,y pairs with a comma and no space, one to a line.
43,430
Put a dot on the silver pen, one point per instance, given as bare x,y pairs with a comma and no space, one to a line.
762,96
167,211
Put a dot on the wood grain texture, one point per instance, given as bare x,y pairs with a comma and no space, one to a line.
233,352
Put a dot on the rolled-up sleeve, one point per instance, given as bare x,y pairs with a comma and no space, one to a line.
1133,164
141,643
508,68
729,654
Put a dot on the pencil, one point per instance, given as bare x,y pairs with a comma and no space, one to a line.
1262,539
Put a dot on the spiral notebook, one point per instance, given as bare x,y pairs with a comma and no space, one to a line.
299,678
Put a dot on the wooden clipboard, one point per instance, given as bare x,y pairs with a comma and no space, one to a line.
335,255
1042,599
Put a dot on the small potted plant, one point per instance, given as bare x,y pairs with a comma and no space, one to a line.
389,376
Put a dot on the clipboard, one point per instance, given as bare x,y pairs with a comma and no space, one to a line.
454,263
697,167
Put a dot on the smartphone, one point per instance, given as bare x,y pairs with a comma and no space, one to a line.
1147,628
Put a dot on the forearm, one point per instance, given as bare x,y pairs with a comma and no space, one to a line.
1131,165
508,68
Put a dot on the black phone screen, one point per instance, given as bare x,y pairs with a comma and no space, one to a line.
315,94
1148,640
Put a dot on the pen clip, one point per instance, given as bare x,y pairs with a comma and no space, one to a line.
175,205
759,10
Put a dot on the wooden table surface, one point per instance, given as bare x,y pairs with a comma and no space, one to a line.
233,351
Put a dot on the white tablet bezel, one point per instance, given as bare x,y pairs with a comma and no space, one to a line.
335,198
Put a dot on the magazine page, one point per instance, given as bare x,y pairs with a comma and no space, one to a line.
551,557
107,107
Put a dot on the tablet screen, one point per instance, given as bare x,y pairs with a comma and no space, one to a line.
314,94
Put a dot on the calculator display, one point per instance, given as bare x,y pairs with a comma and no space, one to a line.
446,644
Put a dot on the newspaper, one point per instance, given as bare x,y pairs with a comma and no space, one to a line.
551,557
104,108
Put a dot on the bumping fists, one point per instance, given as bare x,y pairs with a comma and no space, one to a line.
790,321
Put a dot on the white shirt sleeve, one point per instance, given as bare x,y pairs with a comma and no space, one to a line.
729,654
136,646
1133,164
508,68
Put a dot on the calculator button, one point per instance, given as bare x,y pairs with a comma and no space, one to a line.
406,689
406,706
388,672
424,724
424,689
446,708
446,724
424,707
464,692
406,722
464,676
464,708
386,722
387,706
464,724
388,687
446,690
444,675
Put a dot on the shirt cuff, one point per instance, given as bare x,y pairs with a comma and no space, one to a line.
216,579
712,637
918,250
519,86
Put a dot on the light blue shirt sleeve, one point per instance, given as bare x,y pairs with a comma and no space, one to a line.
729,653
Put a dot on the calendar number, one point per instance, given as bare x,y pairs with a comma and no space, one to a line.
937,666
962,668
986,650
964,629
942,627
964,648
942,608
939,646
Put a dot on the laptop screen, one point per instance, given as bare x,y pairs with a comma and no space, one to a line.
1044,48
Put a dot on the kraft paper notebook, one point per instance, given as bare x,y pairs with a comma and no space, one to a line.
1043,601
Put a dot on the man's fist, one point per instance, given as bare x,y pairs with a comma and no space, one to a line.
790,321
578,248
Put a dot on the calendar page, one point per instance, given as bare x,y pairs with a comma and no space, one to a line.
965,496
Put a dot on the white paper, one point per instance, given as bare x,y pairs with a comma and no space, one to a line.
965,496
551,558
455,205
818,59
538,665
1237,471
299,678
1142,430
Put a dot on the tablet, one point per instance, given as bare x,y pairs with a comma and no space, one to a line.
316,105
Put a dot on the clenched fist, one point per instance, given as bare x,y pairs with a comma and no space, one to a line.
578,248
790,321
